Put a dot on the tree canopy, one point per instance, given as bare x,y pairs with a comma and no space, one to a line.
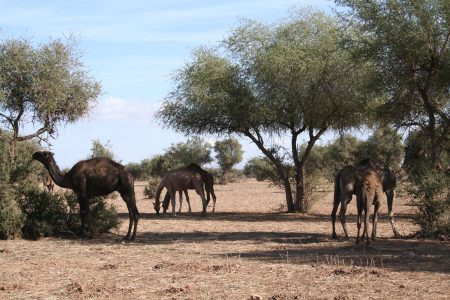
264,81
408,42
42,86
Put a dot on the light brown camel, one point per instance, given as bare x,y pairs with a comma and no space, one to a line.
180,180
48,183
347,182
208,181
94,177
369,194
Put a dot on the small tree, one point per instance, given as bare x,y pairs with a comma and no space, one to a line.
98,149
45,86
228,153
384,145
194,150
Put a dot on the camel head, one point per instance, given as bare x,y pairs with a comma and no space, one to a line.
157,207
45,157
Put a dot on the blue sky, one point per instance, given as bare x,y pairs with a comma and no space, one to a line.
132,48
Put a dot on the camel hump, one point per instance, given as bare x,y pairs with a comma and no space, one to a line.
194,167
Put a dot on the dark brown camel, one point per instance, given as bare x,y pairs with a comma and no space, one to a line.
166,201
179,180
94,177
208,181
369,194
347,182
48,183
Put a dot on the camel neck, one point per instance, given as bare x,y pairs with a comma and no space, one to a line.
58,177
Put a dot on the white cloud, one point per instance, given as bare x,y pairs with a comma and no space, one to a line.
119,109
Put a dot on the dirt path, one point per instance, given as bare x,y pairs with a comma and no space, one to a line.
247,249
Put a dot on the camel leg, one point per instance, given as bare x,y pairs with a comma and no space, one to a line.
375,218
199,190
366,207
358,222
180,199
343,211
166,202
172,200
390,201
214,200
333,217
86,229
133,214
187,200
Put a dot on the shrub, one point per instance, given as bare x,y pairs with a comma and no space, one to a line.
48,214
11,218
432,197
152,185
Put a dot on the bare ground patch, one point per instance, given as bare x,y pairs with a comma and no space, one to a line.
247,250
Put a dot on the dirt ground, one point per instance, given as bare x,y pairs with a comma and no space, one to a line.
248,249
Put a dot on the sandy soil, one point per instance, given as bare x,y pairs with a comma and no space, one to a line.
248,249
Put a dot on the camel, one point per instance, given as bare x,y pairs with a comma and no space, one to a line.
348,182
180,180
369,194
208,181
97,176
48,183
166,201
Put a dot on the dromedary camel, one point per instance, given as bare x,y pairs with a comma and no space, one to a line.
94,177
180,180
48,183
208,181
348,181
370,193
166,201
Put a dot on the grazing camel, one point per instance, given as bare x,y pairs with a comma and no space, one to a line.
48,183
94,177
208,181
369,194
180,180
348,181
166,201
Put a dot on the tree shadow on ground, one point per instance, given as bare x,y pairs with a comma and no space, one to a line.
257,217
405,254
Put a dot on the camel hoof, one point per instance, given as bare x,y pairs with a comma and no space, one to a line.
334,236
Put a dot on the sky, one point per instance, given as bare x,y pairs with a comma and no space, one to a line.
132,47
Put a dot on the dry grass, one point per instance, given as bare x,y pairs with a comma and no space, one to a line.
247,250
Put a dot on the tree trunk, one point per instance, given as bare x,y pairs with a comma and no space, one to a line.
300,190
289,199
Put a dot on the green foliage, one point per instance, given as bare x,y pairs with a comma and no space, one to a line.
194,150
384,145
14,178
228,153
408,43
151,186
57,214
44,213
431,194
261,169
99,149
291,77
44,85
11,218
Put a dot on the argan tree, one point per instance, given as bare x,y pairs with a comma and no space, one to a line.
228,153
42,87
409,44
272,83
